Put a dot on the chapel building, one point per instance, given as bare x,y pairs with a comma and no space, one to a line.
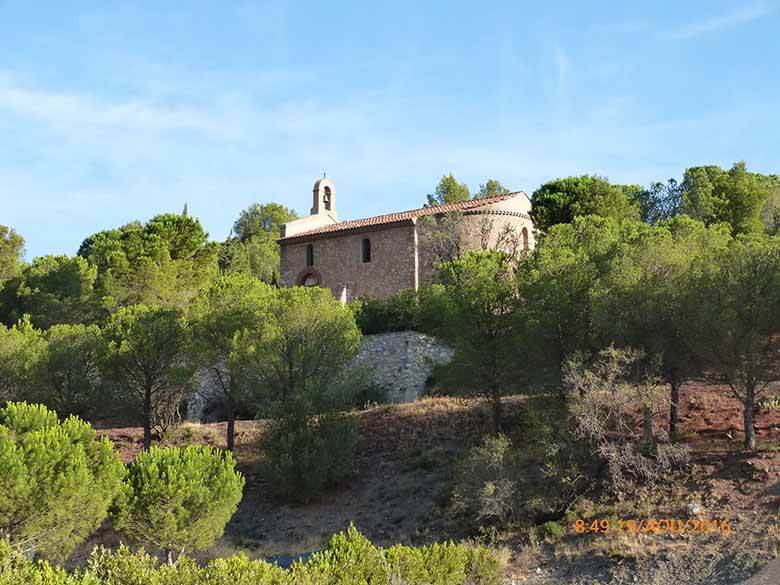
382,255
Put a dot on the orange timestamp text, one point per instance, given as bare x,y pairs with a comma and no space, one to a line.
655,526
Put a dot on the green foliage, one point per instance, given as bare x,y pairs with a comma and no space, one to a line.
535,475
11,251
649,286
258,219
487,482
561,284
743,289
163,262
659,202
304,341
228,307
66,376
307,453
21,348
397,313
254,250
481,303
562,200
56,289
58,480
178,499
448,191
492,188
604,398
349,559
553,530
144,355
735,197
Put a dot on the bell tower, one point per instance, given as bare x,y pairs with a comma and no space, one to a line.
323,210
324,198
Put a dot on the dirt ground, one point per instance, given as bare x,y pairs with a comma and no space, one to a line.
403,482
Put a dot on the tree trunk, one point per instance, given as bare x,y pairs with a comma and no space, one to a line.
647,428
231,424
748,408
674,408
497,412
169,556
147,419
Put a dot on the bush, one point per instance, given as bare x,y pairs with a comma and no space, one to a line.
307,453
57,480
487,481
605,398
553,530
535,476
178,499
399,312
349,559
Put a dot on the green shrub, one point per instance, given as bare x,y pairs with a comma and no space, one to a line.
57,480
308,453
349,559
124,567
239,570
178,499
553,530
398,313
487,478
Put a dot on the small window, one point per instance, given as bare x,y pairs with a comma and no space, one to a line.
525,238
309,255
366,250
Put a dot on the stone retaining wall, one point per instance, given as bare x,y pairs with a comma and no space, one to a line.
401,362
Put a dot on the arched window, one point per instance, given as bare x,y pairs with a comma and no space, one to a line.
326,198
309,255
525,238
366,250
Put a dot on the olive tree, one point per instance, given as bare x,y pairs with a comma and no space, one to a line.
57,480
178,498
144,354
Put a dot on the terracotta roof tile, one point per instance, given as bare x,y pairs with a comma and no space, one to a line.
400,216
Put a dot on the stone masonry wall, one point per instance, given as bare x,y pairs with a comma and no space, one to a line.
401,362
338,262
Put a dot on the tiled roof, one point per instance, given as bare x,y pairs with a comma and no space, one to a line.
390,218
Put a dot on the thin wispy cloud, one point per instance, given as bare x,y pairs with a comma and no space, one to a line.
742,15
78,111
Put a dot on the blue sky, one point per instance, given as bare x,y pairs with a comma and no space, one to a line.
120,112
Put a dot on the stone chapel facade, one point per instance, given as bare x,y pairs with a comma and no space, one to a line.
382,255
